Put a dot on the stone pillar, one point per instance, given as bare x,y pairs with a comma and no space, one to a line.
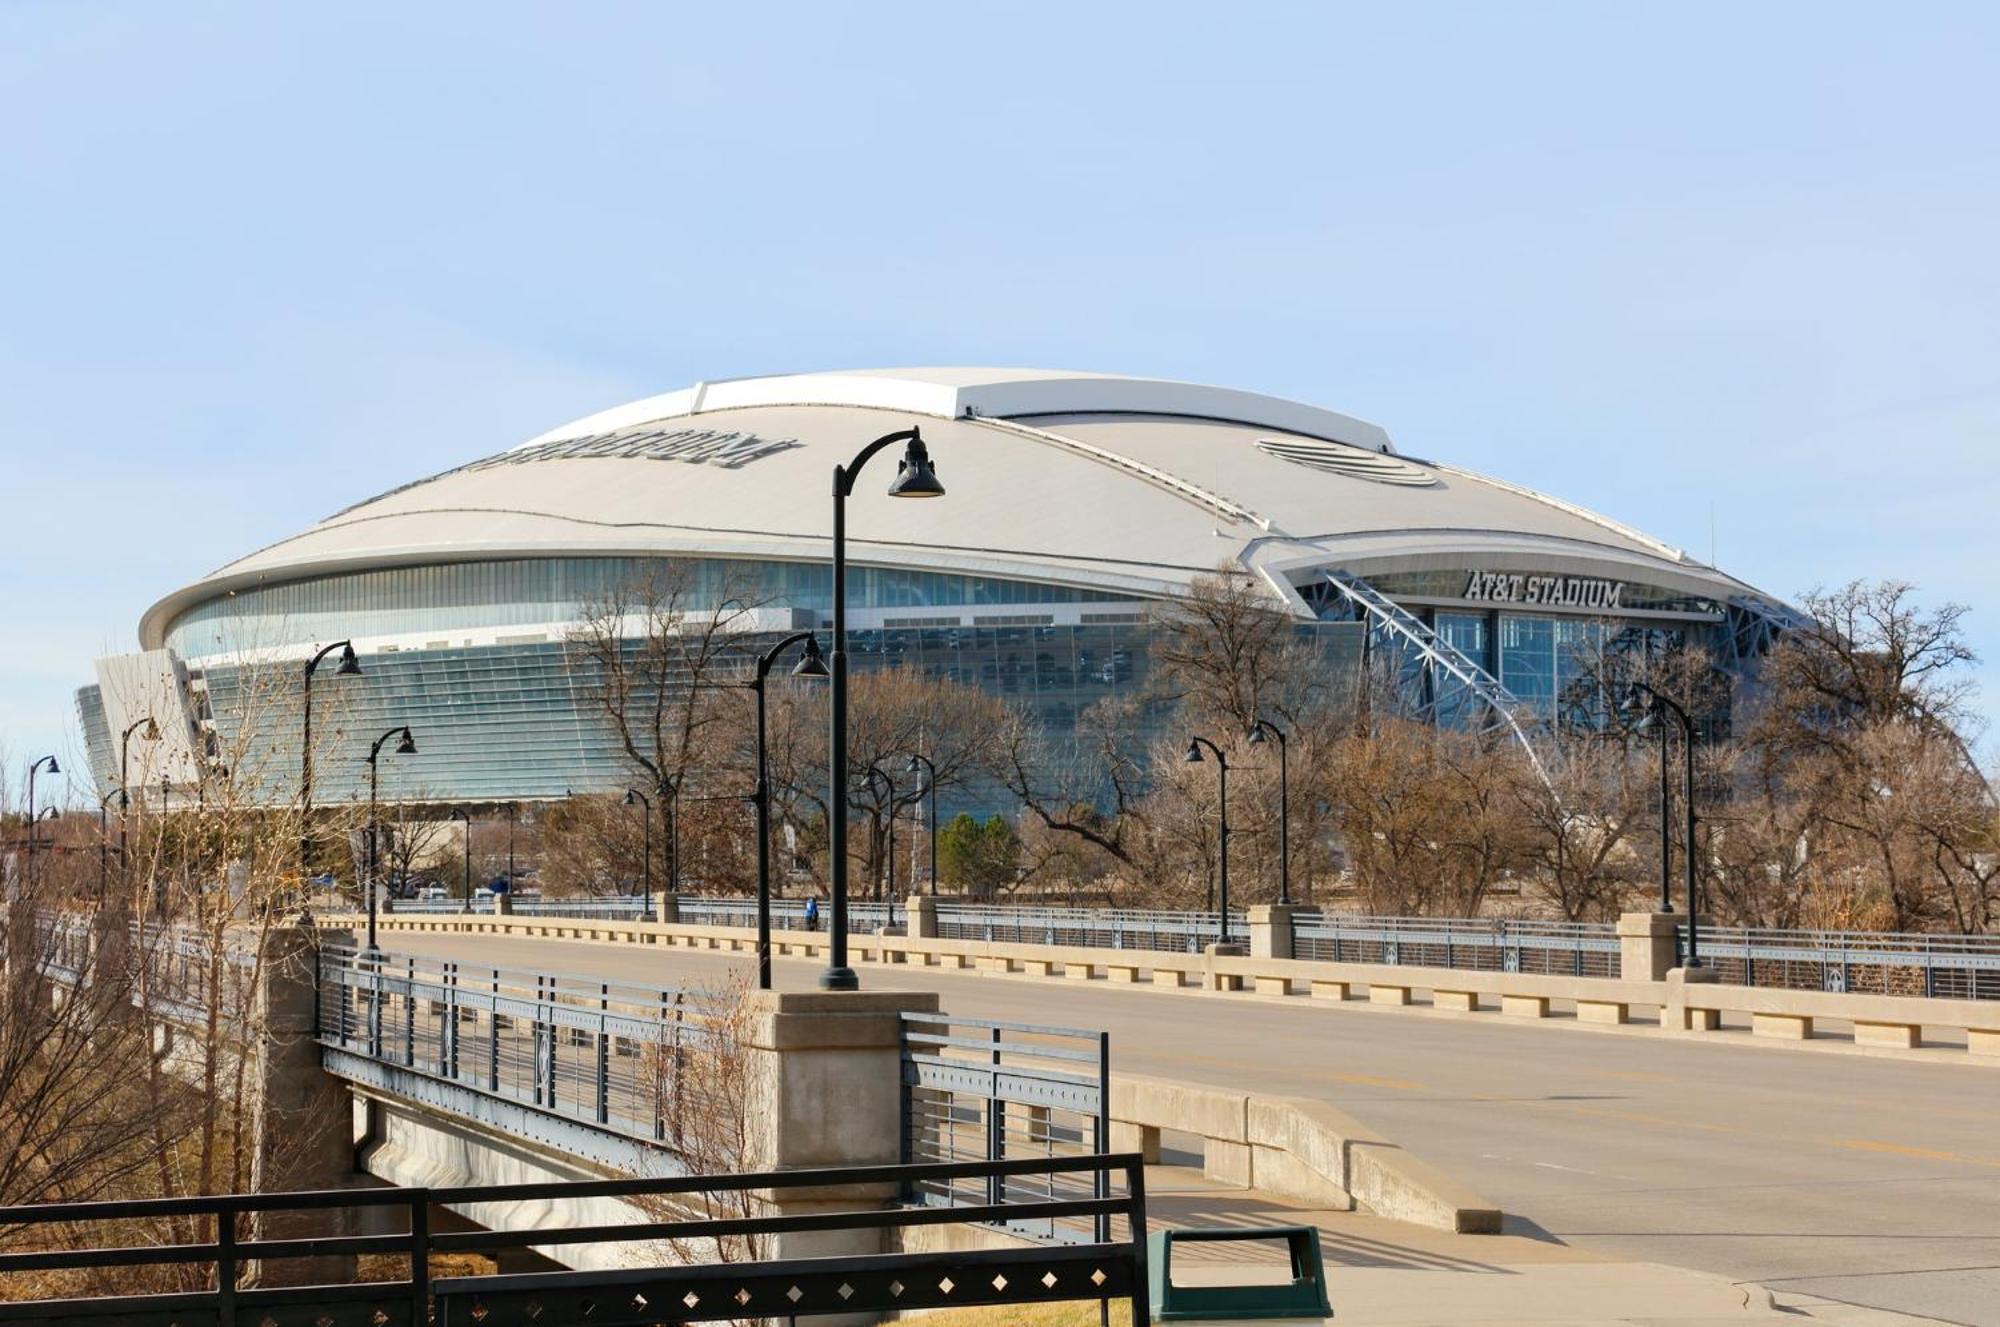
1271,930
667,906
503,904
302,1130
921,910
1646,945
826,1086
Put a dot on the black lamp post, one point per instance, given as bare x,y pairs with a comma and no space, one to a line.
48,762
1663,705
633,797
812,665
930,787
458,813
152,734
875,773
513,819
349,667
914,479
406,747
1195,744
104,844
1258,731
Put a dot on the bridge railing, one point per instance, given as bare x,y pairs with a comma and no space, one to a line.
671,1283
1567,949
1914,964
1099,928
975,1089
609,1055
787,914
1957,967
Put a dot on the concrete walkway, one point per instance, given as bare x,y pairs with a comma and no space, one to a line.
1388,1274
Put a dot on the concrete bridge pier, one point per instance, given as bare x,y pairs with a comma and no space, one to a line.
302,1134
825,1075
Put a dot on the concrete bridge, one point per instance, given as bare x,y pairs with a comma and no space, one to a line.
1837,1144
1692,1129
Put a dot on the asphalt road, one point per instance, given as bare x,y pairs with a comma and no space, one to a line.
1870,1180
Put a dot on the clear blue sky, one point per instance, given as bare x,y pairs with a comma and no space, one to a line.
1663,260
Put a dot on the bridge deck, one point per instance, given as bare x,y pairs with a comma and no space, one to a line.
1875,1180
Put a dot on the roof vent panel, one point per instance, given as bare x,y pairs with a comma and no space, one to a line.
1348,462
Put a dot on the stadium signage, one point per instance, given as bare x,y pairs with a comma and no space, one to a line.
725,448
1500,587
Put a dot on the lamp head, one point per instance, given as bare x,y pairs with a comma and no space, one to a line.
1255,737
814,663
914,476
1634,704
152,733
349,664
408,746
631,797
911,765
53,767
1194,756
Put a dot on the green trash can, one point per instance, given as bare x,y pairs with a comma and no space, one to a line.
1303,1296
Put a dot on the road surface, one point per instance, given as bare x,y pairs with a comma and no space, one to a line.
1870,1180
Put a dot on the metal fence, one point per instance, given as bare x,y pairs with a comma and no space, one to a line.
1097,928
692,1266
787,914
1939,966
1569,949
466,1038
607,907
974,1089
1957,967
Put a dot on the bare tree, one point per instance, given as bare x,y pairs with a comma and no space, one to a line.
655,659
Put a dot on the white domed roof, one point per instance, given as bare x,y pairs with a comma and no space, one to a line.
1124,484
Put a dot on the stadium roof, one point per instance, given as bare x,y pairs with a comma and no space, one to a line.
1123,484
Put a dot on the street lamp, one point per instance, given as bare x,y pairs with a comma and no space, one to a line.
889,847
458,813
914,479
1665,705
930,787
53,768
104,844
349,667
1259,729
811,665
406,747
633,797
152,734
1195,744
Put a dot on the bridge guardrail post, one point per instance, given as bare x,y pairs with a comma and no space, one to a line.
1271,930
603,1054
1648,945
493,1039
410,1012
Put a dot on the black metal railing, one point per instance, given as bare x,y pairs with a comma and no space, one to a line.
672,1286
473,1039
975,1089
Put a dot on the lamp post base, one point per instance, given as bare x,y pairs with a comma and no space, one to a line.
839,979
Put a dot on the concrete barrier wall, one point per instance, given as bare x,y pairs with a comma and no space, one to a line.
1303,1151
1685,1007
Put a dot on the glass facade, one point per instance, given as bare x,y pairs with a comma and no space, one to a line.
517,721
466,596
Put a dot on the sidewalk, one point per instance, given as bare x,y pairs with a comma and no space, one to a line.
1388,1274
